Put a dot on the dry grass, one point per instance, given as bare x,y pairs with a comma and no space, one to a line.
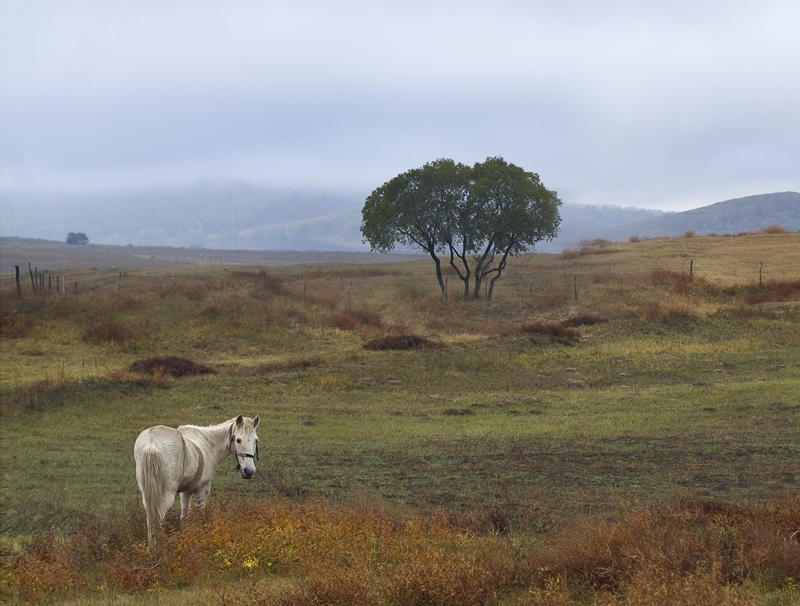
401,342
290,554
643,332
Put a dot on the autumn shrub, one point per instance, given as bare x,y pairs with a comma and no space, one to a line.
775,229
720,542
47,568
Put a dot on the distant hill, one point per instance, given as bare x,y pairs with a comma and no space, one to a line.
215,214
225,214
230,215
579,222
752,213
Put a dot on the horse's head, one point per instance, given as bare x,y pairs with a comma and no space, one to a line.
244,445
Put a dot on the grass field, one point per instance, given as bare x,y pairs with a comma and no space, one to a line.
602,390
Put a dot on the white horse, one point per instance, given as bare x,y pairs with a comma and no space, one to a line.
171,461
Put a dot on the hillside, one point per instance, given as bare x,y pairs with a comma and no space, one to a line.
752,213
231,215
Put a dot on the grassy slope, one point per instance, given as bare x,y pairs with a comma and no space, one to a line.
685,388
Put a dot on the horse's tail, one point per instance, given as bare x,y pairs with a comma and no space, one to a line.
152,490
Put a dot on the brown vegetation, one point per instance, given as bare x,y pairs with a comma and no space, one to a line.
560,331
401,342
291,554
170,366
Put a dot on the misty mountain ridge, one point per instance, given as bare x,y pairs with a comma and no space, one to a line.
748,214
232,215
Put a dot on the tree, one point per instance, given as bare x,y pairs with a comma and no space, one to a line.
511,210
416,209
79,238
478,215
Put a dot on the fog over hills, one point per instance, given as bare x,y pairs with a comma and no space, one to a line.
752,213
232,215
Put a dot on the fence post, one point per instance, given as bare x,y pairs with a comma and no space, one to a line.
575,283
691,267
33,284
759,273
19,289
119,286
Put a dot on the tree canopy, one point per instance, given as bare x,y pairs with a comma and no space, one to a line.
77,238
477,215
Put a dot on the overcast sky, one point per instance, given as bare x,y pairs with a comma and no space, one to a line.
671,105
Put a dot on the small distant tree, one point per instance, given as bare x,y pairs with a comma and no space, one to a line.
479,215
77,238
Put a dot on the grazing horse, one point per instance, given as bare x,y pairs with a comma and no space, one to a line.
171,461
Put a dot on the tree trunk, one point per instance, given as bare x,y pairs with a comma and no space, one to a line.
438,264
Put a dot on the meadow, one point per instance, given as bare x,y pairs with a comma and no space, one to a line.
619,425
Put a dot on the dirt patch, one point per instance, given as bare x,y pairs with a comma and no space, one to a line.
401,342
172,366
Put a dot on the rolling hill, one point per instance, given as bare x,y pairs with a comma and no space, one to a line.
752,213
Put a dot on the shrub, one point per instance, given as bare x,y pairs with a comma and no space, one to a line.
633,239
690,234
775,229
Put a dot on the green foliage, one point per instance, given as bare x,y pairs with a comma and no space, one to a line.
77,238
492,210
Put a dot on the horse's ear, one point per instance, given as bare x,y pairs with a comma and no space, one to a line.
239,421
255,422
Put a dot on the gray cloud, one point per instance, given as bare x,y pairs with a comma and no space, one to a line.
666,105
